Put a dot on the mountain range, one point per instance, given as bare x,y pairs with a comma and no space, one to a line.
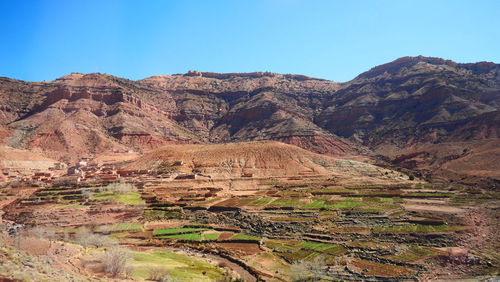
435,117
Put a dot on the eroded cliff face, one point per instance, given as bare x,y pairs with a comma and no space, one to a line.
412,100
398,108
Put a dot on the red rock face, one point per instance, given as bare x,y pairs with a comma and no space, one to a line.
404,104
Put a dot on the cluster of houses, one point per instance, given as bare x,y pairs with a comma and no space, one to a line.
86,171
24,175
83,170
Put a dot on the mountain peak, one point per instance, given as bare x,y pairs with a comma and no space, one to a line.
426,64
88,79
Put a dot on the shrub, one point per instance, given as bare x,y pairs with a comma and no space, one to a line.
86,193
42,233
114,261
86,238
158,273
308,270
129,270
121,188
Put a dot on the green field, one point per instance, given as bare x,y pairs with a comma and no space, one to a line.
337,204
130,198
186,236
330,249
412,254
178,230
245,237
286,202
261,201
315,246
180,267
125,226
210,236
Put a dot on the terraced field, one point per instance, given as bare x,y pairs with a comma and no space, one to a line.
358,231
271,227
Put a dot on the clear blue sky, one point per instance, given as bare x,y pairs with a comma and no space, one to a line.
43,40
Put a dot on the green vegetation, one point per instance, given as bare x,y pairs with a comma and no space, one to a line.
379,193
336,191
337,204
281,245
130,198
292,185
180,267
315,205
120,227
73,207
185,236
315,245
393,199
177,230
245,237
152,215
210,236
286,202
429,194
119,235
323,247
412,254
262,201
300,255
475,198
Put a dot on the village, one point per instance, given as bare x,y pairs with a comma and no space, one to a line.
86,171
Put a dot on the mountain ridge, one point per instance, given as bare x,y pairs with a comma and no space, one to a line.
409,102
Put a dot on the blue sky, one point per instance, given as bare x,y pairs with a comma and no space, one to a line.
337,40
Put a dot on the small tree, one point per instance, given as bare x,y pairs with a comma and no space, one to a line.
411,177
114,261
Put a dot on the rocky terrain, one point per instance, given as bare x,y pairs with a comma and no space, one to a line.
423,114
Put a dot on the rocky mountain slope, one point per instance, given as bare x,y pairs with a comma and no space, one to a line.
396,110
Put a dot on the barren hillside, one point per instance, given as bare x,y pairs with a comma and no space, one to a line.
260,159
22,159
